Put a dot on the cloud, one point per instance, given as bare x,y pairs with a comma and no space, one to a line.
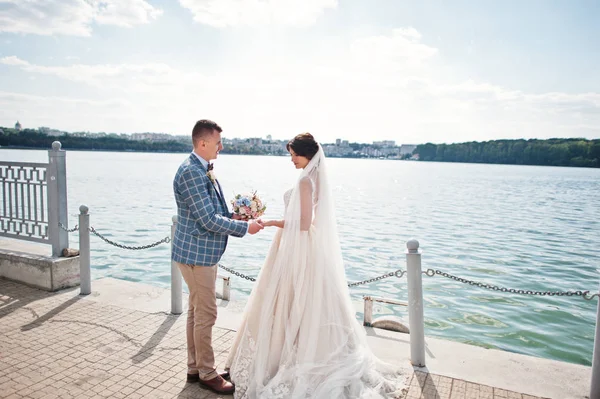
62,112
72,17
125,13
397,93
151,77
226,13
14,61
400,51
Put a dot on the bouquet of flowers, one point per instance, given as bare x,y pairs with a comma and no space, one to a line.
248,206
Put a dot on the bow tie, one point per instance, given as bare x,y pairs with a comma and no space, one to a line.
210,167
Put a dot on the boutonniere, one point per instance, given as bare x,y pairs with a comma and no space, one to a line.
210,173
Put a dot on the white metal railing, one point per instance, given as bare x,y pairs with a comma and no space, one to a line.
33,200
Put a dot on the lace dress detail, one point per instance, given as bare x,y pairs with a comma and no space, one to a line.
242,369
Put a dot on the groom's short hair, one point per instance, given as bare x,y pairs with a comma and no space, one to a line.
203,128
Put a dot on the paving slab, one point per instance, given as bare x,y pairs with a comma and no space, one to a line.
63,345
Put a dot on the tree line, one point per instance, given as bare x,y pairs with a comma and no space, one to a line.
551,152
30,138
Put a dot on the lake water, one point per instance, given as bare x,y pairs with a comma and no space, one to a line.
523,227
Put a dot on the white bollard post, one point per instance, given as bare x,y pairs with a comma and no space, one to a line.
85,273
368,311
176,283
595,386
415,304
226,288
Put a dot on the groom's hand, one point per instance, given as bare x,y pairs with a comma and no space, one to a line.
255,226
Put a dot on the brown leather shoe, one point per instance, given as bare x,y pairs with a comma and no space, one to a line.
218,385
196,377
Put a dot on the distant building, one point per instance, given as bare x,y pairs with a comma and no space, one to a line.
255,141
269,137
385,143
18,126
339,149
152,137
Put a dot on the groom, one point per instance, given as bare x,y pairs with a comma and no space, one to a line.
203,226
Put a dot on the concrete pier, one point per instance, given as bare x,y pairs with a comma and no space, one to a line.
121,342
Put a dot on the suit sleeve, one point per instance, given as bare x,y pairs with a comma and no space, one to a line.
196,196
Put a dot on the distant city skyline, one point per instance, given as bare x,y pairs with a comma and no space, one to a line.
266,145
412,71
165,136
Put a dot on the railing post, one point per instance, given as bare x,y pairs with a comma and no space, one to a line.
595,386
176,283
415,304
368,311
57,199
226,288
85,273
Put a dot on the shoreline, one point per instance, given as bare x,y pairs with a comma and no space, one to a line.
275,155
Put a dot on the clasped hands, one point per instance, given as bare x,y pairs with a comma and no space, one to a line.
255,225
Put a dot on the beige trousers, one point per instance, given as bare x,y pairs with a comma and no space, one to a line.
202,315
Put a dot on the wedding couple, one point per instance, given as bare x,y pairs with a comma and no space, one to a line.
299,337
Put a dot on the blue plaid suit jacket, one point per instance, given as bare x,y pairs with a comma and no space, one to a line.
203,218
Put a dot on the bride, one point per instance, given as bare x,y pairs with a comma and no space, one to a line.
299,336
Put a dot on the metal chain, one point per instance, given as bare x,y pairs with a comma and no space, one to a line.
62,226
398,273
164,240
237,273
585,294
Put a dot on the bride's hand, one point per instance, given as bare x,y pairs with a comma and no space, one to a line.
273,223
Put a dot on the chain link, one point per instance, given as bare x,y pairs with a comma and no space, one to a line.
62,226
398,273
237,273
585,294
165,240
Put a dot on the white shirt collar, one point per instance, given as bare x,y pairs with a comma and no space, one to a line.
202,160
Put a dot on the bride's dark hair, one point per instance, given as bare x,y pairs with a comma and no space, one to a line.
304,145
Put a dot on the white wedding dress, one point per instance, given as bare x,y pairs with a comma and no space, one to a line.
299,337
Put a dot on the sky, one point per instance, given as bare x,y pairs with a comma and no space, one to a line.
412,71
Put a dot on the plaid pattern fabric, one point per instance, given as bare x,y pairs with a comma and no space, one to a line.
203,218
